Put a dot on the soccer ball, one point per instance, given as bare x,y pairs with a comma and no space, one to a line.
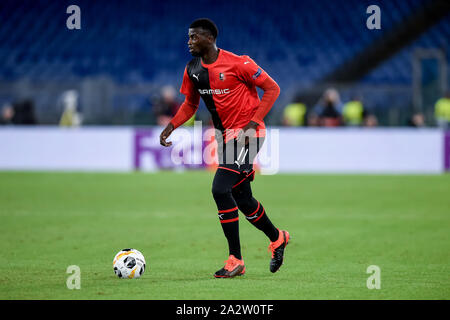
129,263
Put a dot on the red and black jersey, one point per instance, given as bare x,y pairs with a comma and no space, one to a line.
228,88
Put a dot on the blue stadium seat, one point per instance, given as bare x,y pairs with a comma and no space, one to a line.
297,42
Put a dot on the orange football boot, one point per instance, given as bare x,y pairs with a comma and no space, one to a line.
233,267
277,250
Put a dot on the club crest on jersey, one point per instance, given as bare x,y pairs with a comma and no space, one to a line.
221,76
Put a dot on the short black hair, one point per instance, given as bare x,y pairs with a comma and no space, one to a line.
206,24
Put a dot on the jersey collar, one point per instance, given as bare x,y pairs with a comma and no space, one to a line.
214,63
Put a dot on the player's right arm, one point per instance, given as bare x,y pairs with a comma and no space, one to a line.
185,112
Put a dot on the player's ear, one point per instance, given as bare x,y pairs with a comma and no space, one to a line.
211,39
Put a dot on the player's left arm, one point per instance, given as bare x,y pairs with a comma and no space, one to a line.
252,74
271,93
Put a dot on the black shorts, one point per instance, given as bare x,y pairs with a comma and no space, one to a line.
238,157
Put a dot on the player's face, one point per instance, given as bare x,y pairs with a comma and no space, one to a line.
198,42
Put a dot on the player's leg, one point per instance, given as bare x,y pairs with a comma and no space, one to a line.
257,216
227,209
229,219
242,192
253,209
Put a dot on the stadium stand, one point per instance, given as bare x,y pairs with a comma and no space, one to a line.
298,42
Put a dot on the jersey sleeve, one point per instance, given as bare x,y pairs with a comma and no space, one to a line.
190,104
249,72
271,93
188,89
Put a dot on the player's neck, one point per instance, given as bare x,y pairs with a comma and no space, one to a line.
211,55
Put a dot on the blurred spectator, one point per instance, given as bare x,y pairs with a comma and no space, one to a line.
312,119
19,113
328,109
24,113
353,112
294,114
442,111
166,106
70,117
417,120
370,121
7,114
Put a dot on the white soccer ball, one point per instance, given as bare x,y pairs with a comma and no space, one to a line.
129,263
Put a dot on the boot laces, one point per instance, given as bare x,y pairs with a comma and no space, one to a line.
231,263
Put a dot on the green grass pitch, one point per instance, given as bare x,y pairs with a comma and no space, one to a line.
340,225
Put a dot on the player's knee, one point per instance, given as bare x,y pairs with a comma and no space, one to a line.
220,191
245,206
245,203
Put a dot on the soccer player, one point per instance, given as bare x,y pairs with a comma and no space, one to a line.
227,84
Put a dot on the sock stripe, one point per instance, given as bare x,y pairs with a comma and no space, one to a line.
229,220
255,210
259,216
228,210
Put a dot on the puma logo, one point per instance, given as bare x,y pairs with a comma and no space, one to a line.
196,76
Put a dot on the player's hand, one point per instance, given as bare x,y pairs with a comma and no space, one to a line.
165,134
244,134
